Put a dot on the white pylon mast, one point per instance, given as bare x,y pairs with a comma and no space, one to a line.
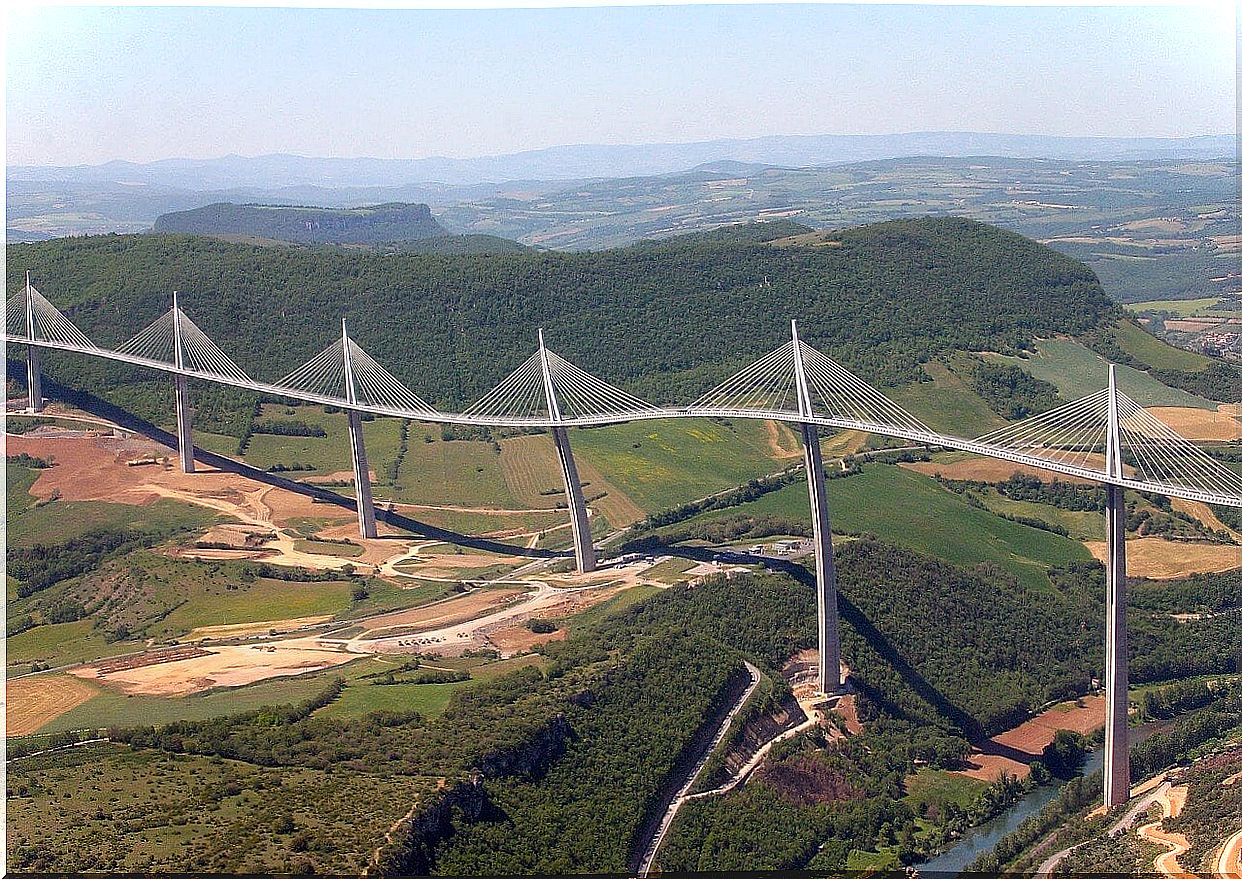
176,317
804,394
30,328
1112,449
554,410
350,394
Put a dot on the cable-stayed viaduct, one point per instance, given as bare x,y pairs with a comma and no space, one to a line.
794,383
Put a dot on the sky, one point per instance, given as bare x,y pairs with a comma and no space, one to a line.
92,84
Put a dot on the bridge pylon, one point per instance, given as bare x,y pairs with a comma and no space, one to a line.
181,391
357,448
825,565
1116,648
34,369
584,549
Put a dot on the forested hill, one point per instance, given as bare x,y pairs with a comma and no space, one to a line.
666,318
378,224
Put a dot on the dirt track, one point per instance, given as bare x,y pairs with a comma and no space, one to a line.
1171,801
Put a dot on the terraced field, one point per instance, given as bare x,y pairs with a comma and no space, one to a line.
660,464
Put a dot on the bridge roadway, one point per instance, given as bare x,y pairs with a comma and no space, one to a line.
1112,475
435,416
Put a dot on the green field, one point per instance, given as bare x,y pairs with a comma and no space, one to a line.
60,644
947,404
669,571
1078,371
1180,307
911,510
660,464
258,601
938,786
363,696
618,603
1081,525
457,472
1139,343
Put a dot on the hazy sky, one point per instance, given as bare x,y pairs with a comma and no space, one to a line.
93,84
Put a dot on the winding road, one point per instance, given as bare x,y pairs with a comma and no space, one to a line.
649,856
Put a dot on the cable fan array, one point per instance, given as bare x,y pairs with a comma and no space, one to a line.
1072,436
1076,435
198,353
50,325
578,394
770,384
1161,456
324,375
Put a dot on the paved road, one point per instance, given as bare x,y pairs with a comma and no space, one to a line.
1127,821
648,860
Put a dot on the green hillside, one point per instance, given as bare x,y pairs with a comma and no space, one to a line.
377,224
911,510
665,319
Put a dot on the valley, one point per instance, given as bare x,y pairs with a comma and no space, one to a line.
230,625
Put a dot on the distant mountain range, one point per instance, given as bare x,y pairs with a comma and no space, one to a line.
593,161
379,224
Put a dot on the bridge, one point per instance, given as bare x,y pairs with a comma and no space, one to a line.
1105,437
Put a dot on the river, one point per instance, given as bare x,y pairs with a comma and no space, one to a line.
979,840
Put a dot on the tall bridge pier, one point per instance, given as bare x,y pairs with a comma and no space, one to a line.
357,448
185,421
34,378
1061,440
825,566
181,391
1116,647
584,549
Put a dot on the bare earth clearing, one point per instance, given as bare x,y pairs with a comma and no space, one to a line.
1012,751
229,666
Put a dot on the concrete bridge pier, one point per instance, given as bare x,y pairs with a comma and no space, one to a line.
185,419
584,549
34,377
825,566
1116,655
362,477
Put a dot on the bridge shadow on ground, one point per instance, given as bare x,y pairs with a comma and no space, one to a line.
875,639
103,409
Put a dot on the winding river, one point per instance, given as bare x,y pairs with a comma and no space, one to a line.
982,839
